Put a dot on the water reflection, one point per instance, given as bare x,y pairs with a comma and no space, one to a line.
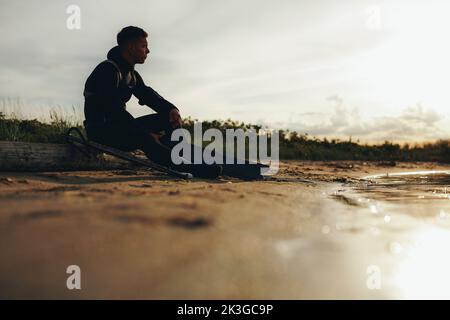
424,269
413,215
407,185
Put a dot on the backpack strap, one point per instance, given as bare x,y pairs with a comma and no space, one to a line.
119,74
131,77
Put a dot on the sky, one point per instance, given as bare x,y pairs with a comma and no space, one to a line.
370,70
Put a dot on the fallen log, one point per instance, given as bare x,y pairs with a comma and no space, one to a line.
27,156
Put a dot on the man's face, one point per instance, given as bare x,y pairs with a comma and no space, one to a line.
139,49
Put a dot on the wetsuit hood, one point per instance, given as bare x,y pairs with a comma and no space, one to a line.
115,55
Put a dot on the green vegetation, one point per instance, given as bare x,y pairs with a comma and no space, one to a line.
292,144
302,147
14,129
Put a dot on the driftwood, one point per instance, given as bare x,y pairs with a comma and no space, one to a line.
25,156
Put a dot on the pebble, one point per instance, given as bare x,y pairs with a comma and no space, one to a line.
6,180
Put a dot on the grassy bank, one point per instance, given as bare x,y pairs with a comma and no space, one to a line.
15,129
292,144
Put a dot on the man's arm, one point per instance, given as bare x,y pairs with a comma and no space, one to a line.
148,96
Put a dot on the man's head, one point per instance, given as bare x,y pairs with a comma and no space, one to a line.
133,44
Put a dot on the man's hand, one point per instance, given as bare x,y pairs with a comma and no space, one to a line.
156,137
175,118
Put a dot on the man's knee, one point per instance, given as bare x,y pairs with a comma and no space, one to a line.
152,123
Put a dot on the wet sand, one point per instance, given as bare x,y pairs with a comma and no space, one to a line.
316,230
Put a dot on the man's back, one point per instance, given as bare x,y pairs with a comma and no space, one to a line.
107,92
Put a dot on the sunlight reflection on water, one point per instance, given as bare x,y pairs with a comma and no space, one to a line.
422,270
397,223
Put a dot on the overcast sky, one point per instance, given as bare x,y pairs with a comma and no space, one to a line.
373,70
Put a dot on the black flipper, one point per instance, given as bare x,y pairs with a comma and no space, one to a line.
247,170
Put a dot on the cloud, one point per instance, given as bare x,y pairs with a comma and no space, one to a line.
414,123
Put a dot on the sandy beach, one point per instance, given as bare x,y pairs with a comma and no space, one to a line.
138,234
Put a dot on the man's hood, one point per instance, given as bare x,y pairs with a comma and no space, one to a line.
114,54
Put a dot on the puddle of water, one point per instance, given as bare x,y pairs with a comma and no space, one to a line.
394,228
407,186
414,209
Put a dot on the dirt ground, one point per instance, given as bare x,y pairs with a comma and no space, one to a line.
137,234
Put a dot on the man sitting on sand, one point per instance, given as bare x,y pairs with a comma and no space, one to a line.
107,90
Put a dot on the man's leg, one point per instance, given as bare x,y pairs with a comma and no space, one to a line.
159,148
119,137
159,125
156,123
140,136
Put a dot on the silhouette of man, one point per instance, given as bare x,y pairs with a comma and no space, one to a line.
111,85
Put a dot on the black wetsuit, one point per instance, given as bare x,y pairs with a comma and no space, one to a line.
107,121
107,90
